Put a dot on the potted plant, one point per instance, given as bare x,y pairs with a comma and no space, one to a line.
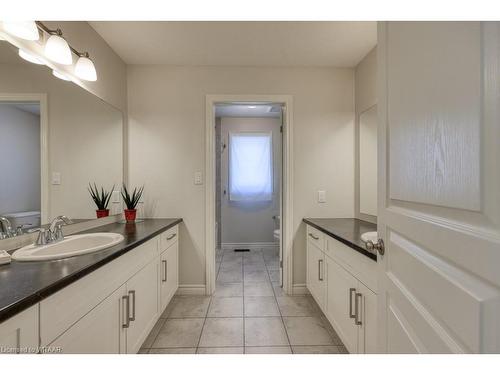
131,201
101,199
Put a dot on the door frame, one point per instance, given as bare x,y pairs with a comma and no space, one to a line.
287,181
44,145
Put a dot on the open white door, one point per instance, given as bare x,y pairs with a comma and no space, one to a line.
439,187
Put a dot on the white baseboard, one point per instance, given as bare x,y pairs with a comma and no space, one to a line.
191,289
249,245
299,289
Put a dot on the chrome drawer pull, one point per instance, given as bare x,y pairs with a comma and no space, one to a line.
126,312
164,278
172,236
351,315
313,236
320,276
357,311
132,293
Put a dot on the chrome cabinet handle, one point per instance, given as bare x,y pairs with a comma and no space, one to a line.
126,313
164,277
320,264
132,293
357,311
172,236
313,236
351,291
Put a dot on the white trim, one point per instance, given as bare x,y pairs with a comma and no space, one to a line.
286,215
191,289
300,289
44,145
249,245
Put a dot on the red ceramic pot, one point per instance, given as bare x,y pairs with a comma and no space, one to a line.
130,215
102,213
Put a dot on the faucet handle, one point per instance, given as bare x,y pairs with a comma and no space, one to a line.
42,237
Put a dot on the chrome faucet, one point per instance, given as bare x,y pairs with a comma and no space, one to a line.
55,230
54,233
6,231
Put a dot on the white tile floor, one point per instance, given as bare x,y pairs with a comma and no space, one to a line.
248,313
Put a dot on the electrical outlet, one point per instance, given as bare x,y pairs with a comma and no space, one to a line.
56,178
198,178
321,196
115,197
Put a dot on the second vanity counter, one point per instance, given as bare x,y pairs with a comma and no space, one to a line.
26,283
346,230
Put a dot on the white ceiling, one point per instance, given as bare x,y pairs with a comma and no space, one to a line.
248,110
338,44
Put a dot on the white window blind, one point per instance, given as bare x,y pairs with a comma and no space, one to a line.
250,167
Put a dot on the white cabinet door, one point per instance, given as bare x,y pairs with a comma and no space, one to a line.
142,290
20,333
439,187
340,299
315,273
169,280
98,332
367,337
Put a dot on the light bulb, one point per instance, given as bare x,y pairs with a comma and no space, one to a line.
57,49
22,29
29,57
55,73
85,69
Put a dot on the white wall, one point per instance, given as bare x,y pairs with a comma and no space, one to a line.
365,98
250,222
19,160
166,110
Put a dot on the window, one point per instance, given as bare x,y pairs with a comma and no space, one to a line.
250,167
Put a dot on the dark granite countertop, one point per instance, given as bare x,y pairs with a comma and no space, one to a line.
23,284
347,231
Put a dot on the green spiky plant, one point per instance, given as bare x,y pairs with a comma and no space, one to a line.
101,198
131,201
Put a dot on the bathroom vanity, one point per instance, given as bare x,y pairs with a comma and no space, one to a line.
341,277
102,302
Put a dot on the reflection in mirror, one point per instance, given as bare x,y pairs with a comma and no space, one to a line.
368,161
55,139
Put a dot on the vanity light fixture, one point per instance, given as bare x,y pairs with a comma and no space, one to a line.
61,52
29,57
84,67
57,49
55,73
27,30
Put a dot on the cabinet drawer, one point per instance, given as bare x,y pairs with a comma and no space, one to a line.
61,310
362,267
168,238
316,237
20,332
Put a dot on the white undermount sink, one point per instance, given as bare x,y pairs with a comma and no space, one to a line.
71,246
369,236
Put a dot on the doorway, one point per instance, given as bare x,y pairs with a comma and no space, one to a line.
248,190
24,196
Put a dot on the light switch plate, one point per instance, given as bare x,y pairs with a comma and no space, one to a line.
56,178
321,196
198,178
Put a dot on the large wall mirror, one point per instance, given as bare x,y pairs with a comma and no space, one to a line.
55,139
368,161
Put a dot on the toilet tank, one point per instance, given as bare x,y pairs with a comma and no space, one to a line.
28,219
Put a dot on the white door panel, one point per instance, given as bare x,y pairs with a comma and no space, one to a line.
439,186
